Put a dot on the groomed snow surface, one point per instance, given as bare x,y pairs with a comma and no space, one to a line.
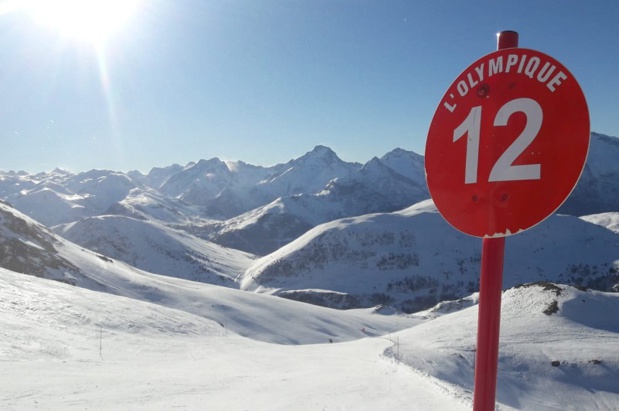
64,347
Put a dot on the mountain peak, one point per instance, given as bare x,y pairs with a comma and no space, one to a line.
401,153
320,149
407,163
210,163
320,153
59,171
375,165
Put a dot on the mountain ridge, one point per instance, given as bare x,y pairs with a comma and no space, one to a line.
373,195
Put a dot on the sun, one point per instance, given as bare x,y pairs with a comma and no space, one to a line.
93,21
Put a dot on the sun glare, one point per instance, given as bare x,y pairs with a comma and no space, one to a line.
85,20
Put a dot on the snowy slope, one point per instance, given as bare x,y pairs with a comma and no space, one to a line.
54,312
557,349
28,247
264,229
413,259
155,248
68,348
148,204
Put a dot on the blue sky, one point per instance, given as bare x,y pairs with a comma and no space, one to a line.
264,81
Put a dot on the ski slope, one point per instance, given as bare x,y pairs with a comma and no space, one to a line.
67,348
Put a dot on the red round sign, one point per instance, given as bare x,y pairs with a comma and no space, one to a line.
507,143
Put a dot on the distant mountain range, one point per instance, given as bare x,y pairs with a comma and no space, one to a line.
329,232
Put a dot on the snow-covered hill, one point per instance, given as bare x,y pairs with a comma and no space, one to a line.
155,248
60,206
413,259
147,204
554,354
68,348
266,228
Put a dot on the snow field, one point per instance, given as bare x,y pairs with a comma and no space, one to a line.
63,347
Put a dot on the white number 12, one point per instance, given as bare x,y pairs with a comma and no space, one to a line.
503,169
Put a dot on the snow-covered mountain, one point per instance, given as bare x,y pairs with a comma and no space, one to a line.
232,188
61,197
203,181
224,190
412,259
279,204
406,163
374,188
307,174
266,228
28,247
148,204
156,176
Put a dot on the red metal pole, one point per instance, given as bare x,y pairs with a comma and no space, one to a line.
488,324
490,287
